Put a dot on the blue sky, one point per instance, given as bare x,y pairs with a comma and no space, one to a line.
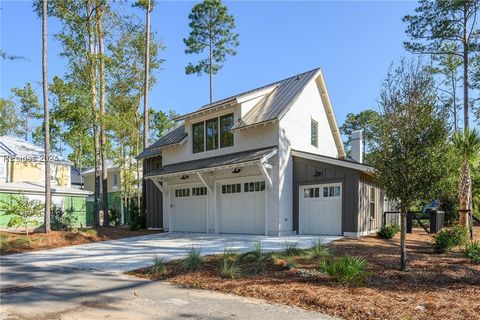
354,43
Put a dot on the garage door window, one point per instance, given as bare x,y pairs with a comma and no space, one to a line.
200,191
311,192
232,188
182,192
331,191
254,186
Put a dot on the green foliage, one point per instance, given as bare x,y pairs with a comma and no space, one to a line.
161,122
137,219
6,245
193,259
388,232
472,251
30,108
318,250
23,210
346,270
91,232
62,220
115,216
9,118
291,249
410,148
159,265
367,121
449,238
229,265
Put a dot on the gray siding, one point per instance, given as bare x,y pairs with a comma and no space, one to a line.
303,174
355,196
365,221
152,195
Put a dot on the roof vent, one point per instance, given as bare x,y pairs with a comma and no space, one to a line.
298,77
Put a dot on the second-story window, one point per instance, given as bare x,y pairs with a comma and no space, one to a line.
212,134
198,137
226,134
314,133
115,180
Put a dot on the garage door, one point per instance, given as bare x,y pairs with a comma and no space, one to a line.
241,207
320,209
189,209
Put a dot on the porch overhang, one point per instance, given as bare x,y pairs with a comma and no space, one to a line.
258,157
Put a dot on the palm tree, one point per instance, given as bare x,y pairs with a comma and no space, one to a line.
467,144
46,119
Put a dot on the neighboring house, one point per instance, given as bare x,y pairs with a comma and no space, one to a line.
267,161
114,179
22,171
76,179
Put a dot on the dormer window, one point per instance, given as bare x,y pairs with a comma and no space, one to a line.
212,134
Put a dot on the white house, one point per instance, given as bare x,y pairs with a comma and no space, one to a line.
267,161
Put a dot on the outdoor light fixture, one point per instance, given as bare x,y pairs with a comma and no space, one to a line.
236,170
184,177
318,173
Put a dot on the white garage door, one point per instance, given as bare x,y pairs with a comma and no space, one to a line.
189,209
241,207
320,209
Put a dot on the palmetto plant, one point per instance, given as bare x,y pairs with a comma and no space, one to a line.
467,144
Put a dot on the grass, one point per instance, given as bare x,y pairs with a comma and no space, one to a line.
318,250
159,266
229,265
193,259
346,270
472,251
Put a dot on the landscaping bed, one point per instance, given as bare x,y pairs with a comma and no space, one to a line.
17,242
442,286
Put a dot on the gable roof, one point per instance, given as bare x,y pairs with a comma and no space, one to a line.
172,137
16,147
273,106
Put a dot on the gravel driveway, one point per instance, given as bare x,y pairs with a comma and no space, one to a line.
137,252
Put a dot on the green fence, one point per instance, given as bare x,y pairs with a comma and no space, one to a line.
114,202
75,204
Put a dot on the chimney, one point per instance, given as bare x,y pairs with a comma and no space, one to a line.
357,145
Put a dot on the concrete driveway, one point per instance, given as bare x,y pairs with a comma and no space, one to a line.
138,252
85,282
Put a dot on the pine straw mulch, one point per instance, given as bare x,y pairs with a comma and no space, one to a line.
20,242
437,286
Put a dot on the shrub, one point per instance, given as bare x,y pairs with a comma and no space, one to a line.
115,216
345,270
24,211
4,245
91,232
229,265
291,249
318,250
159,265
193,259
449,238
472,251
134,216
62,220
388,232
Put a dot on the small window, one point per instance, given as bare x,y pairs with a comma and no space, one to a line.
226,134
331,191
198,137
372,203
200,191
182,192
212,134
115,180
314,133
254,186
232,188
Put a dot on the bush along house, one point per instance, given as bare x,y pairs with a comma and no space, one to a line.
269,161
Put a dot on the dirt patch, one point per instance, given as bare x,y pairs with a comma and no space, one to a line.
437,286
17,243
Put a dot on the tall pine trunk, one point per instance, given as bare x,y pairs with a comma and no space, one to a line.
93,97
465,191
46,117
146,76
103,142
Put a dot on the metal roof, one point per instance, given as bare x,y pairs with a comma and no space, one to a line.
39,188
214,162
275,104
16,147
342,162
174,136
